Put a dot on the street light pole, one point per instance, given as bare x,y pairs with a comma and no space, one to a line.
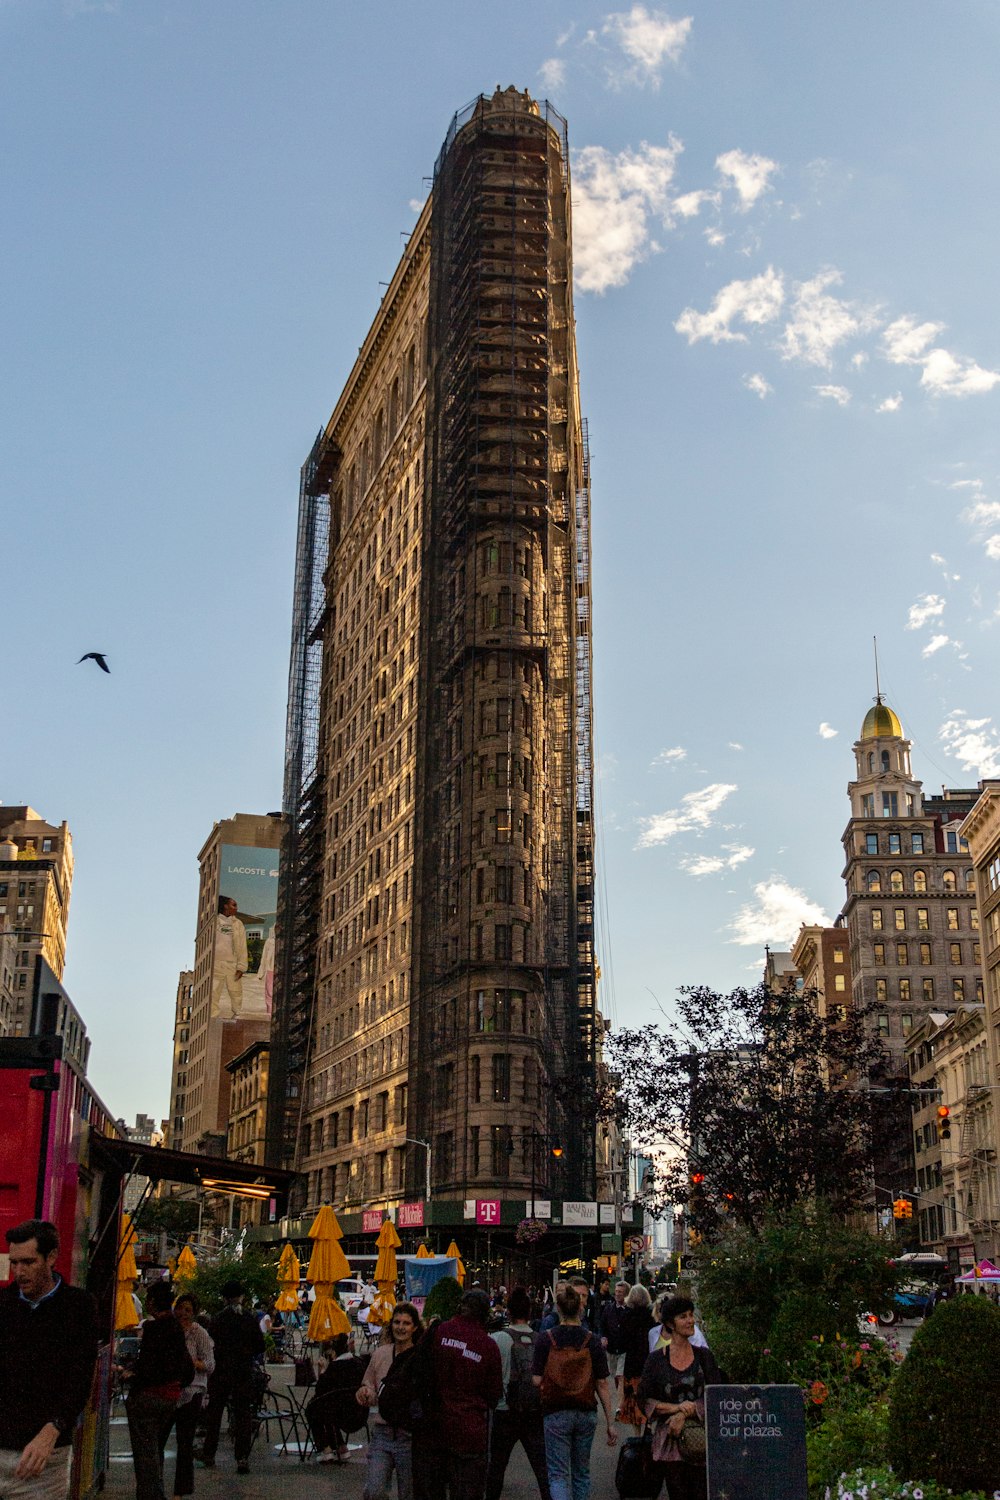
413,1141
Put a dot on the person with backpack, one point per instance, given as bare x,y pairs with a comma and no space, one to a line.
392,1395
451,1450
518,1416
570,1368
334,1411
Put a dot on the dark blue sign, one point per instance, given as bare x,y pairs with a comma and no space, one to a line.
756,1439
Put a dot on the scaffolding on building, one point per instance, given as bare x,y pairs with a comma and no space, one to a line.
302,804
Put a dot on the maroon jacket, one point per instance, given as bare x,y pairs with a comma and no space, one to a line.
469,1384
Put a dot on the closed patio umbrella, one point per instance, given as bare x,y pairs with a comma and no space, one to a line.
459,1265
127,1275
386,1272
327,1264
422,1252
289,1274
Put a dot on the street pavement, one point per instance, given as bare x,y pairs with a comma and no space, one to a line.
279,1476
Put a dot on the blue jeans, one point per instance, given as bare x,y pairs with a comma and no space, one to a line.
569,1436
388,1448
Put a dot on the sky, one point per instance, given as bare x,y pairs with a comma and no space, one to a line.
785,225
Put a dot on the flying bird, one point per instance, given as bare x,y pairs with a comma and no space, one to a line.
97,656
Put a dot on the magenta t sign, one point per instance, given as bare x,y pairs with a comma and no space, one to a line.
487,1210
371,1220
410,1216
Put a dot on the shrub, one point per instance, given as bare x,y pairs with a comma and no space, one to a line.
258,1276
804,1276
443,1299
846,1437
942,1406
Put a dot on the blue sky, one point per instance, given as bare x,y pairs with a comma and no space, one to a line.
786,219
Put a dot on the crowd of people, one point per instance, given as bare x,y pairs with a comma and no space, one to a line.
444,1404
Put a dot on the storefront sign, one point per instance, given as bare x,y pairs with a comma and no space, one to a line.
488,1211
580,1215
410,1216
372,1220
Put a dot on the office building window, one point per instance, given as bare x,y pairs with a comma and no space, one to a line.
952,919
925,953
923,920
881,990
876,919
899,919
902,956
501,1078
916,843
954,953
878,953
920,882
894,847
871,843
928,988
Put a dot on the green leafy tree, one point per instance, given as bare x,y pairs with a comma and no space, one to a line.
942,1422
443,1299
766,1104
782,1301
259,1277
176,1217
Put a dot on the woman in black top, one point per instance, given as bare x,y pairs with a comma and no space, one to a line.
672,1391
162,1369
636,1323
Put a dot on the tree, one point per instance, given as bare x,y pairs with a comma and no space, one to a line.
765,1106
175,1217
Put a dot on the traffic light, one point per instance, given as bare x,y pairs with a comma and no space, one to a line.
697,1179
907,1209
899,1207
944,1122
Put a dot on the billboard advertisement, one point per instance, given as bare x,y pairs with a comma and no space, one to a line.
243,958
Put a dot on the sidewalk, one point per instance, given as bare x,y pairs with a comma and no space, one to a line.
277,1476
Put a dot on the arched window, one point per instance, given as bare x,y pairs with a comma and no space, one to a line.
920,882
408,373
970,880
873,882
394,407
871,760
949,882
885,760
896,882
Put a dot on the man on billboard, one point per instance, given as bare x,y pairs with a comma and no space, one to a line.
230,961
48,1349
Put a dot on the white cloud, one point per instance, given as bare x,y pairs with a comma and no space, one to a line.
974,743
891,403
614,197
715,236
820,322
416,204
838,393
935,643
696,812
758,385
748,174
927,607
859,360
827,732
670,757
648,38
735,745
710,864
775,916
906,342
755,301
553,73
982,513
949,375
993,548
689,205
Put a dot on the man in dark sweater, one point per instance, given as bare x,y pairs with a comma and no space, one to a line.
238,1344
451,1451
48,1350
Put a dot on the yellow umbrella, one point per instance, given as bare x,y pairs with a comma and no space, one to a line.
128,1273
423,1253
327,1264
459,1266
289,1274
187,1266
386,1272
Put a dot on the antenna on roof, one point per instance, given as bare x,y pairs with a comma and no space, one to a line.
878,691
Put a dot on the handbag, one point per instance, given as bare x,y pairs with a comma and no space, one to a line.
691,1442
637,1477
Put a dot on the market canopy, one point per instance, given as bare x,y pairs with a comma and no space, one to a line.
425,1272
984,1271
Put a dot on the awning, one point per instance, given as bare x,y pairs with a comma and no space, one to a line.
216,1174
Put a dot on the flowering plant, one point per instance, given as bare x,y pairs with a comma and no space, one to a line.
882,1484
529,1231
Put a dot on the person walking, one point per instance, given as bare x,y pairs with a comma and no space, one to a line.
451,1450
48,1350
239,1344
518,1415
637,1322
390,1448
199,1345
614,1321
570,1368
672,1392
162,1369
